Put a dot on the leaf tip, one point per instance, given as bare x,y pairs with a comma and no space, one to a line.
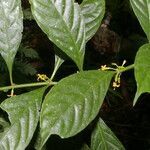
136,98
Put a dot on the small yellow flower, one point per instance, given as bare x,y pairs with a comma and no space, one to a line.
116,85
114,64
116,68
104,67
42,77
11,94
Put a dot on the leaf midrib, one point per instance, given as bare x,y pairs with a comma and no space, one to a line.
102,136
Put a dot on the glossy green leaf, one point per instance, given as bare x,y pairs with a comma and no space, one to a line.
142,71
104,139
11,26
63,23
23,111
73,103
93,12
142,11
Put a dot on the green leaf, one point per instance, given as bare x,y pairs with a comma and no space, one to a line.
142,11
23,111
73,103
104,139
11,26
63,23
142,71
93,12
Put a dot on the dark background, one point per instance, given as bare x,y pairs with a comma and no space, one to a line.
119,41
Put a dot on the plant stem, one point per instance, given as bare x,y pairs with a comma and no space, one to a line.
14,86
11,80
10,75
127,68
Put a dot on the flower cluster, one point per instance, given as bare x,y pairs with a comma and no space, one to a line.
116,82
42,77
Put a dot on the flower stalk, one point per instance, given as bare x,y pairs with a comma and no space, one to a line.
119,70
